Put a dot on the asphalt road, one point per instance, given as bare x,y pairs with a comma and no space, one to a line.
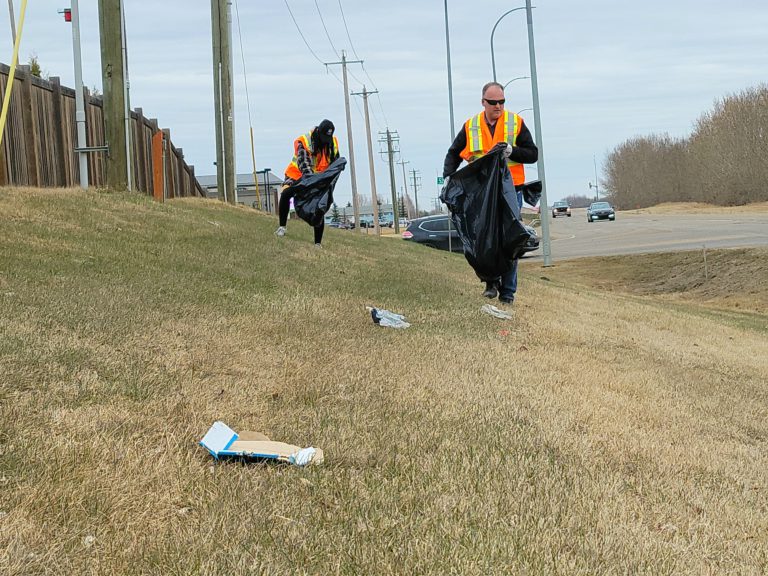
633,233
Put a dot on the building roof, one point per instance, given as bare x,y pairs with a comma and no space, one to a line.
209,180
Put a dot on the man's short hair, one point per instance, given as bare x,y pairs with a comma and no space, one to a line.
485,88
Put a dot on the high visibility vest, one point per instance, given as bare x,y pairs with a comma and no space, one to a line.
480,141
319,163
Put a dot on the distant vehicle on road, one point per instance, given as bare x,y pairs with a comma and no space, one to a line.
561,208
600,211
433,231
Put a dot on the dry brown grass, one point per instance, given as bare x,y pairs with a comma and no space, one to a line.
733,279
701,208
596,433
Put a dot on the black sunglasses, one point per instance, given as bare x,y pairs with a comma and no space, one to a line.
495,102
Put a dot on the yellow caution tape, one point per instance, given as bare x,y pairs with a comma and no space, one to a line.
14,61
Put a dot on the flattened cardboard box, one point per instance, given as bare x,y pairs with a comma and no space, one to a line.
221,441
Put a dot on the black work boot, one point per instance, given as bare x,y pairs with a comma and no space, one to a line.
490,290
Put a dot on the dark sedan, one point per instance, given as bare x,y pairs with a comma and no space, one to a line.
433,231
600,211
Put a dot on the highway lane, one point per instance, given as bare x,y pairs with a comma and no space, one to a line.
634,233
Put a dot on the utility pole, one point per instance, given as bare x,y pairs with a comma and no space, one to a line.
82,155
374,197
355,203
126,102
13,21
223,96
113,79
416,180
390,155
405,178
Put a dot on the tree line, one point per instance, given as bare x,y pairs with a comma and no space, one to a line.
723,162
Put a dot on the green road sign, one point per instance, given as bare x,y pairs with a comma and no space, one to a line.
440,180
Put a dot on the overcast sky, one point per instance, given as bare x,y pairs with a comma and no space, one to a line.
608,71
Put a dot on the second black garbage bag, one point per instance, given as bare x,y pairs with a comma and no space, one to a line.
314,193
485,212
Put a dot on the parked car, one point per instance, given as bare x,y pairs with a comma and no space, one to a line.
561,208
600,211
433,231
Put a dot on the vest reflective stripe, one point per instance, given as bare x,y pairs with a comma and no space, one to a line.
480,141
319,163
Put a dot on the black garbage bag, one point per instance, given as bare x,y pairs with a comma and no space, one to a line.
483,203
313,195
532,192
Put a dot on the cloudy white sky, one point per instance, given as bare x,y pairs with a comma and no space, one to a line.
608,70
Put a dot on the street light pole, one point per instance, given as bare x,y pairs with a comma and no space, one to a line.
493,57
544,212
597,191
450,83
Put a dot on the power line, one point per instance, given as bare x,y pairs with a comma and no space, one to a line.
300,34
326,30
349,37
351,45
242,55
307,43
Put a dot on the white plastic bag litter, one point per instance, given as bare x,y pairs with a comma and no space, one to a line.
386,318
491,310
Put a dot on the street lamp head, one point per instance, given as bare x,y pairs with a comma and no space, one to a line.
513,79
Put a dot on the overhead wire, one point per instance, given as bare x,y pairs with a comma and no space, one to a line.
352,46
326,30
242,55
298,29
248,104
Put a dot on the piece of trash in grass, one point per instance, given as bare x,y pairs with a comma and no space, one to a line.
386,318
491,310
223,442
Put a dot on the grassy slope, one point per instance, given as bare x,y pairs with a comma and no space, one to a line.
629,441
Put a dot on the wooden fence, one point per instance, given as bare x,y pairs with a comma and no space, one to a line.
40,138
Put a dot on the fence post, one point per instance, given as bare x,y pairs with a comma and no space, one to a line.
158,176
4,158
58,133
30,136
141,151
178,158
170,183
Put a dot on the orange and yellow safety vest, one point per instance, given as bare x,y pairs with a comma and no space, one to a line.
480,141
319,163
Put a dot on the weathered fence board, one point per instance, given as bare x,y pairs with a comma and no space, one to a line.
40,137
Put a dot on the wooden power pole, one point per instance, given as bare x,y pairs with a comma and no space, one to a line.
113,83
223,96
374,197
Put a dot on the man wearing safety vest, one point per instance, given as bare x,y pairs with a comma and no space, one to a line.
312,152
477,137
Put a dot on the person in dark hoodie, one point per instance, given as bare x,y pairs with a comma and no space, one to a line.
312,152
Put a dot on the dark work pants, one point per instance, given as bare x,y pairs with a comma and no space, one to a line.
508,281
285,206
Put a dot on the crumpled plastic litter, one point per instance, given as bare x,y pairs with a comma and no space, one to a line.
386,318
491,310
302,457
